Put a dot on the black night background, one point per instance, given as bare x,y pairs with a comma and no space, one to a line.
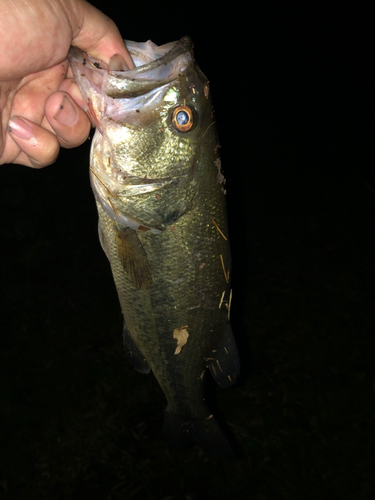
291,93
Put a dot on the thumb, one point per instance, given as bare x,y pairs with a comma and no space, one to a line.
96,34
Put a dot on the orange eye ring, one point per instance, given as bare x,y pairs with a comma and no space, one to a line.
182,118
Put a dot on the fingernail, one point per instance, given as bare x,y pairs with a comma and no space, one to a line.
66,114
20,128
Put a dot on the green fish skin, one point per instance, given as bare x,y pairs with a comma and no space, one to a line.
156,175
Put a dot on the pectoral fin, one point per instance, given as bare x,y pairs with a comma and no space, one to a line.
133,257
225,366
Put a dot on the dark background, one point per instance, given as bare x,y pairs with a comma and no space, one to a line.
291,92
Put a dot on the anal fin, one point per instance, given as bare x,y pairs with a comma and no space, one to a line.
134,355
225,366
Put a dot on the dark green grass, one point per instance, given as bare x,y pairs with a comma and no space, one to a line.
78,422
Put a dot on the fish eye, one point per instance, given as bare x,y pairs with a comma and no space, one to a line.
182,118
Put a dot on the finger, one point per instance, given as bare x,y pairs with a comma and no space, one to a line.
70,86
98,35
38,146
69,122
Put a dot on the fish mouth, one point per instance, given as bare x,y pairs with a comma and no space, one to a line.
107,198
166,63
113,200
132,185
137,186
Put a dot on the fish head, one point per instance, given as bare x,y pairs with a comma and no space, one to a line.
151,121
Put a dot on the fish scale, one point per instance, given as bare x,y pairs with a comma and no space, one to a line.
166,242
179,285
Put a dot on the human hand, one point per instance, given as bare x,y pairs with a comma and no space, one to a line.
41,107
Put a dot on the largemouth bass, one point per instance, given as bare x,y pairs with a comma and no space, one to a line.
156,175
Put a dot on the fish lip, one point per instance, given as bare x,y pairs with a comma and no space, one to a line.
146,180
182,46
139,80
138,187
129,190
133,186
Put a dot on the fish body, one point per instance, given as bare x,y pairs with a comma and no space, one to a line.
160,194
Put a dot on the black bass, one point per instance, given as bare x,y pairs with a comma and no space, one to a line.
156,175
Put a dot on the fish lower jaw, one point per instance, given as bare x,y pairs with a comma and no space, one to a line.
124,220
109,208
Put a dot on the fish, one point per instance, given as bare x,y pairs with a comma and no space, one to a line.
156,175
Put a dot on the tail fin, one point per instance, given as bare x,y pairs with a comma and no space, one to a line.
206,433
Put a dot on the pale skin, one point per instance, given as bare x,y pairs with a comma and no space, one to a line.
41,108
